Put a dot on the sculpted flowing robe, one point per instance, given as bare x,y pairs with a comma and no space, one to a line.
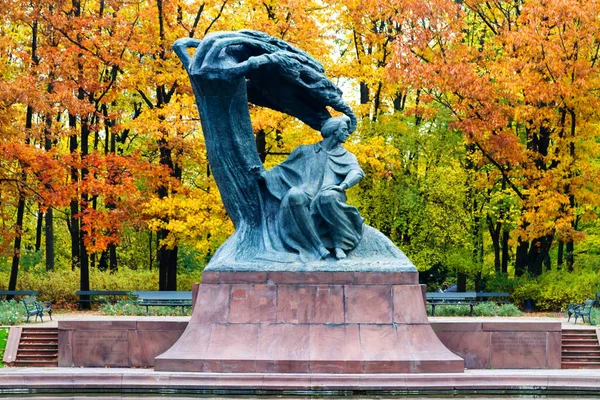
312,216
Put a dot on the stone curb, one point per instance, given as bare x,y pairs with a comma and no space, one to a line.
19,380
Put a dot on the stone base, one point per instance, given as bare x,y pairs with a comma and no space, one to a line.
314,322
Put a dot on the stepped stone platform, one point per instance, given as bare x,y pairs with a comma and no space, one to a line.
309,322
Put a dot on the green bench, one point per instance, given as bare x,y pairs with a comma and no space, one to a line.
470,299
581,310
17,293
34,307
101,296
164,299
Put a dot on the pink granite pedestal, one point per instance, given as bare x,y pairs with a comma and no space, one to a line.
309,322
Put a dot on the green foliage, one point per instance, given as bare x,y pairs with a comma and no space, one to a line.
486,309
595,316
555,289
11,313
3,340
421,200
501,283
509,310
59,286
130,307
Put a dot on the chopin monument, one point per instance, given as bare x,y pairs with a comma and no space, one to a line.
303,285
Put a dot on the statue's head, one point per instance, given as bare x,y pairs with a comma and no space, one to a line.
335,125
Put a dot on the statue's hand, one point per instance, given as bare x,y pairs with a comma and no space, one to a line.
340,188
257,171
186,42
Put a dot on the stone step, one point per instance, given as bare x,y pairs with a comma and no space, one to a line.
41,351
34,363
40,331
44,357
574,347
585,342
39,340
580,365
37,345
580,354
581,360
578,335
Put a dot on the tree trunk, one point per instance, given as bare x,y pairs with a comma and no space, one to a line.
261,145
49,213
521,258
49,240
559,256
112,257
539,255
14,270
38,230
103,262
74,205
569,258
461,282
505,255
494,230
84,282
364,93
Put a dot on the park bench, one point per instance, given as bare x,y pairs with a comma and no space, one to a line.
581,310
101,296
18,293
451,298
34,307
470,299
496,297
164,299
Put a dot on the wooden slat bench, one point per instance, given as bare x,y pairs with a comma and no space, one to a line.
164,299
101,296
450,298
17,293
470,299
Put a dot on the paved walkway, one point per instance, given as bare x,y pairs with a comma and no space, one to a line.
69,380
92,315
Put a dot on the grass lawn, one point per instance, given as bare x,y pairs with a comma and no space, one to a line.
3,338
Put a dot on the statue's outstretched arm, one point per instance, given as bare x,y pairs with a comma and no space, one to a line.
180,47
353,177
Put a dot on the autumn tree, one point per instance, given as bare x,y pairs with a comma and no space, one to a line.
519,79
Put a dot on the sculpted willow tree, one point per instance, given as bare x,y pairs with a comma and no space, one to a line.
520,79
230,69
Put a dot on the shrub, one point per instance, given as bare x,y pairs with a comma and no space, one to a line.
509,310
130,307
555,289
11,313
450,311
486,309
3,339
59,286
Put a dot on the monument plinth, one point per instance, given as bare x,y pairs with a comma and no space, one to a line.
309,322
303,285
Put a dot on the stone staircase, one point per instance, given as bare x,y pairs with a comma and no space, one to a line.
38,348
580,349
